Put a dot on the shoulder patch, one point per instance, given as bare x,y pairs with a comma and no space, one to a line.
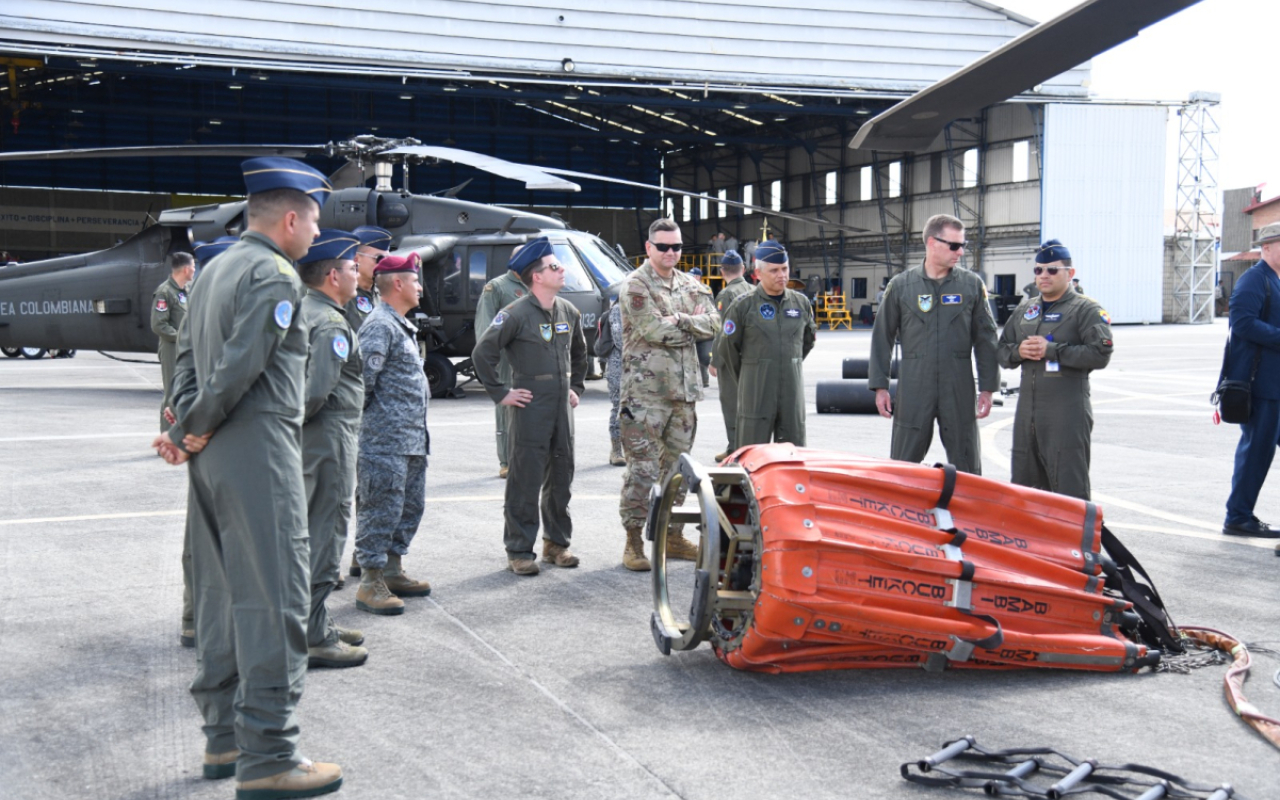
283,314
637,302
161,304
498,319
488,287
363,305
729,327
1102,312
341,347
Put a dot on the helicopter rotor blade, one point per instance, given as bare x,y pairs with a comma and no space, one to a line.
349,175
758,209
187,150
1049,49
534,178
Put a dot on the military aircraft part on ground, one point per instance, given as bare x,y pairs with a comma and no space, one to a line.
1018,66
814,560
853,368
849,396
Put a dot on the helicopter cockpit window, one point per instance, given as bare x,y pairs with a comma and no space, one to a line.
575,275
479,273
453,286
600,260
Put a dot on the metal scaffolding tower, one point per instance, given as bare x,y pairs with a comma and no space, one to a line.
1195,264
895,224
961,137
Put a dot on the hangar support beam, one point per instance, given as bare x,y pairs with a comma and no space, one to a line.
1195,265
968,182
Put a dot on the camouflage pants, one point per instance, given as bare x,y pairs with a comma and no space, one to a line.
653,437
613,376
391,493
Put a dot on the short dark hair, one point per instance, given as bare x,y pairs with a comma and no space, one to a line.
663,224
734,269
271,205
939,223
527,277
179,260
316,272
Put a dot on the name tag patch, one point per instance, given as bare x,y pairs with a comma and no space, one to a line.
952,299
283,314
792,312
768,311
562,327
1053,316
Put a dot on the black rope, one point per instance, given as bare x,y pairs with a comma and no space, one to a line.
126,360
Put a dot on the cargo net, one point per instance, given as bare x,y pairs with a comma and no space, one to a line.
1045,772
814,560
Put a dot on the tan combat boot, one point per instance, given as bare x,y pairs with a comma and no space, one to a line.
307,779
503,470
680,548
336,655
553,553
616,458
374,596
349,635
220,765
633,556
400,584
523,566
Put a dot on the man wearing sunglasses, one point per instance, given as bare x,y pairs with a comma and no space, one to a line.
942,317
541,336
499,293
1057,337
664,314
374,243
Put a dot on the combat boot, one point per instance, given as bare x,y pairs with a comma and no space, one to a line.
220,765
355,567
307,779
342,582
680,548
374,596
188,637
616,458
349,635
553,553
633,556
503,470
337,655
722,456
523,566
400,584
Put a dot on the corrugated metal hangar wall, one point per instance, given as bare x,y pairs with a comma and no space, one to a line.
755,100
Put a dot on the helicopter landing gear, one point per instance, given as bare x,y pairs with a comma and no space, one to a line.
441,374
33,353
11,352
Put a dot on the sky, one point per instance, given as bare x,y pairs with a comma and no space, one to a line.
1214,46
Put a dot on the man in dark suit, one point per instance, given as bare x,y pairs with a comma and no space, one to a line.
1256,334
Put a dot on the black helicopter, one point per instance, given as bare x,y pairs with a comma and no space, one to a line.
102,300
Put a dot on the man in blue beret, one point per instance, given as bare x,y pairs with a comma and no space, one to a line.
499,293
1056,337
330,433
238,399
765,337
736,285
375,244
941,314
391,467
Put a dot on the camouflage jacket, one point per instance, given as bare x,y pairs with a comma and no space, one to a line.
659,357
395,387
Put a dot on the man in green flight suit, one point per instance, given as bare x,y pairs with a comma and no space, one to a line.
1057,337
944,321
168,307
330,435
238,399
499,293
542,333
764,340
735,285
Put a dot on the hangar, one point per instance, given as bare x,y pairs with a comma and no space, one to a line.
754,101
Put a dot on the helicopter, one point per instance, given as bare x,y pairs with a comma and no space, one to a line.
101,300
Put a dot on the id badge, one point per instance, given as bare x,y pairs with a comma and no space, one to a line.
1051,366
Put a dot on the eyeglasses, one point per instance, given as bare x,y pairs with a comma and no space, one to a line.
953,245
1050,270
376,259
662,248
552,267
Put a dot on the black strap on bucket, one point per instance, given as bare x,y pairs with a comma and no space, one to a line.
1156,629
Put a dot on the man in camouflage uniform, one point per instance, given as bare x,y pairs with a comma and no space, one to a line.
765,338
1057,338
499,293
613,377
168,307
542,333
238,399
664,314
391,470
943,318
330,430
735,286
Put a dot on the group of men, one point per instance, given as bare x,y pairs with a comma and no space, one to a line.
286,390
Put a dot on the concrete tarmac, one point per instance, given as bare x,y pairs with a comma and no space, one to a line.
502,686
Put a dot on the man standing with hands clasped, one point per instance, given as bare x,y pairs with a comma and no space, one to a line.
940,313
1057,338
541,336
